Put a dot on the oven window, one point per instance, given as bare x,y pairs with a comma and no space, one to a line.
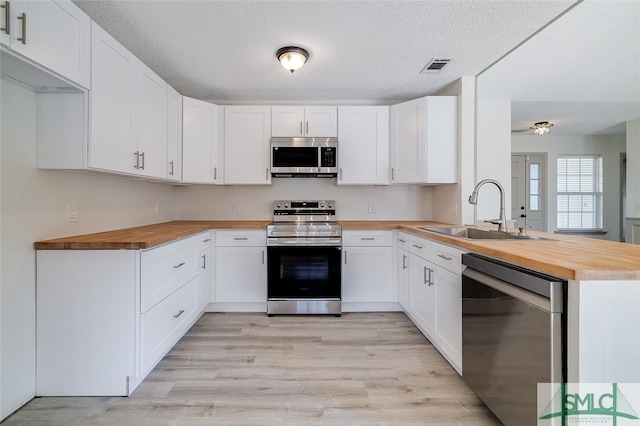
300,267
295,157
303,272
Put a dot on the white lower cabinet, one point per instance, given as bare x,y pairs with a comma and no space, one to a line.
430,280
241,270
205,293
367,267
106,317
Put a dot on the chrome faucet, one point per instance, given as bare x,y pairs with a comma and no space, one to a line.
473,199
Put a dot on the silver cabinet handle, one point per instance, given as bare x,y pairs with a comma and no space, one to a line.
424,275
340,173
215,173
345,257
179,265
180,312
171,164
142,155
206,240
404,261
240,238
442,256
23,18
307,128
417,246
137,154
7,17
301,127
393,174
401,240
367,238
266,174
430,280
263,257
204,261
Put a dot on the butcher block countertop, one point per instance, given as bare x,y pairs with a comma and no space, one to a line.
568,257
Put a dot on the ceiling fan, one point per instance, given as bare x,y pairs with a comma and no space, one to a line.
540,128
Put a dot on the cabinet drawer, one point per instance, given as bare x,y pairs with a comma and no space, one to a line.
367,238
163,325
206,239
241,238
448,257
165,269
403,240
419,246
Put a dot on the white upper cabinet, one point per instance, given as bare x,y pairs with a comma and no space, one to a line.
55,34
128,111
300,121
151,103
363,145
174,134
200,141
247,132
424,140
112,105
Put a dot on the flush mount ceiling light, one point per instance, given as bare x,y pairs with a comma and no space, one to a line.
292,57
541,128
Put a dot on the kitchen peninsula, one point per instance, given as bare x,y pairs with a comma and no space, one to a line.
603,276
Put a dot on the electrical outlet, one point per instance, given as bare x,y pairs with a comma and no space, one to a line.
72,213
371,208
235,208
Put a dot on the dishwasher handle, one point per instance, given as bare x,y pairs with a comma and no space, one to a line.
526,296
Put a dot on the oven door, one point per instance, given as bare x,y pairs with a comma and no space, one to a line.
304,272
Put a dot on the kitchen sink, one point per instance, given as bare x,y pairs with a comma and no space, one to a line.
478,234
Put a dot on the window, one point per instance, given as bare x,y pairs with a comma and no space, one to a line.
580,192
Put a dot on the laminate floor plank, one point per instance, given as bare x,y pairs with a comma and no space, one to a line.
249,369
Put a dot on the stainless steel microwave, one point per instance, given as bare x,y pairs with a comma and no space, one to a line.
304,157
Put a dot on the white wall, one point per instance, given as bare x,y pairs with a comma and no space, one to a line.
256,202
633,168
450,201
34,207
609,146
493,157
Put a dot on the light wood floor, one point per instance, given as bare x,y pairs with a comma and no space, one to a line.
249,369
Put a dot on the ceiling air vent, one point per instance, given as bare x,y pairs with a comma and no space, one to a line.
435,65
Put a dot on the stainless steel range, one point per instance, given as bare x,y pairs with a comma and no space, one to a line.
304,245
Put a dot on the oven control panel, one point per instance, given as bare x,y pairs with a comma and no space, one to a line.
304,211
305,205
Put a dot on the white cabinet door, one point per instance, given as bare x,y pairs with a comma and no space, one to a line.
247,132
174,134
287,121
200,141
320,121
404,290
112,144
424,140
55,34
300,121
241,274
447,327
421,293
363,148
367,274
151,101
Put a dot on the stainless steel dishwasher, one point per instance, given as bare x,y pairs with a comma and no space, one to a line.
513,335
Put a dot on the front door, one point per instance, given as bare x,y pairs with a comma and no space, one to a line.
528,195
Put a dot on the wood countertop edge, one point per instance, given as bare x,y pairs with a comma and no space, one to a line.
150,236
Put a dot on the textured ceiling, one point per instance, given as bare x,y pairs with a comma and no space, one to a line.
224,51
579,70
